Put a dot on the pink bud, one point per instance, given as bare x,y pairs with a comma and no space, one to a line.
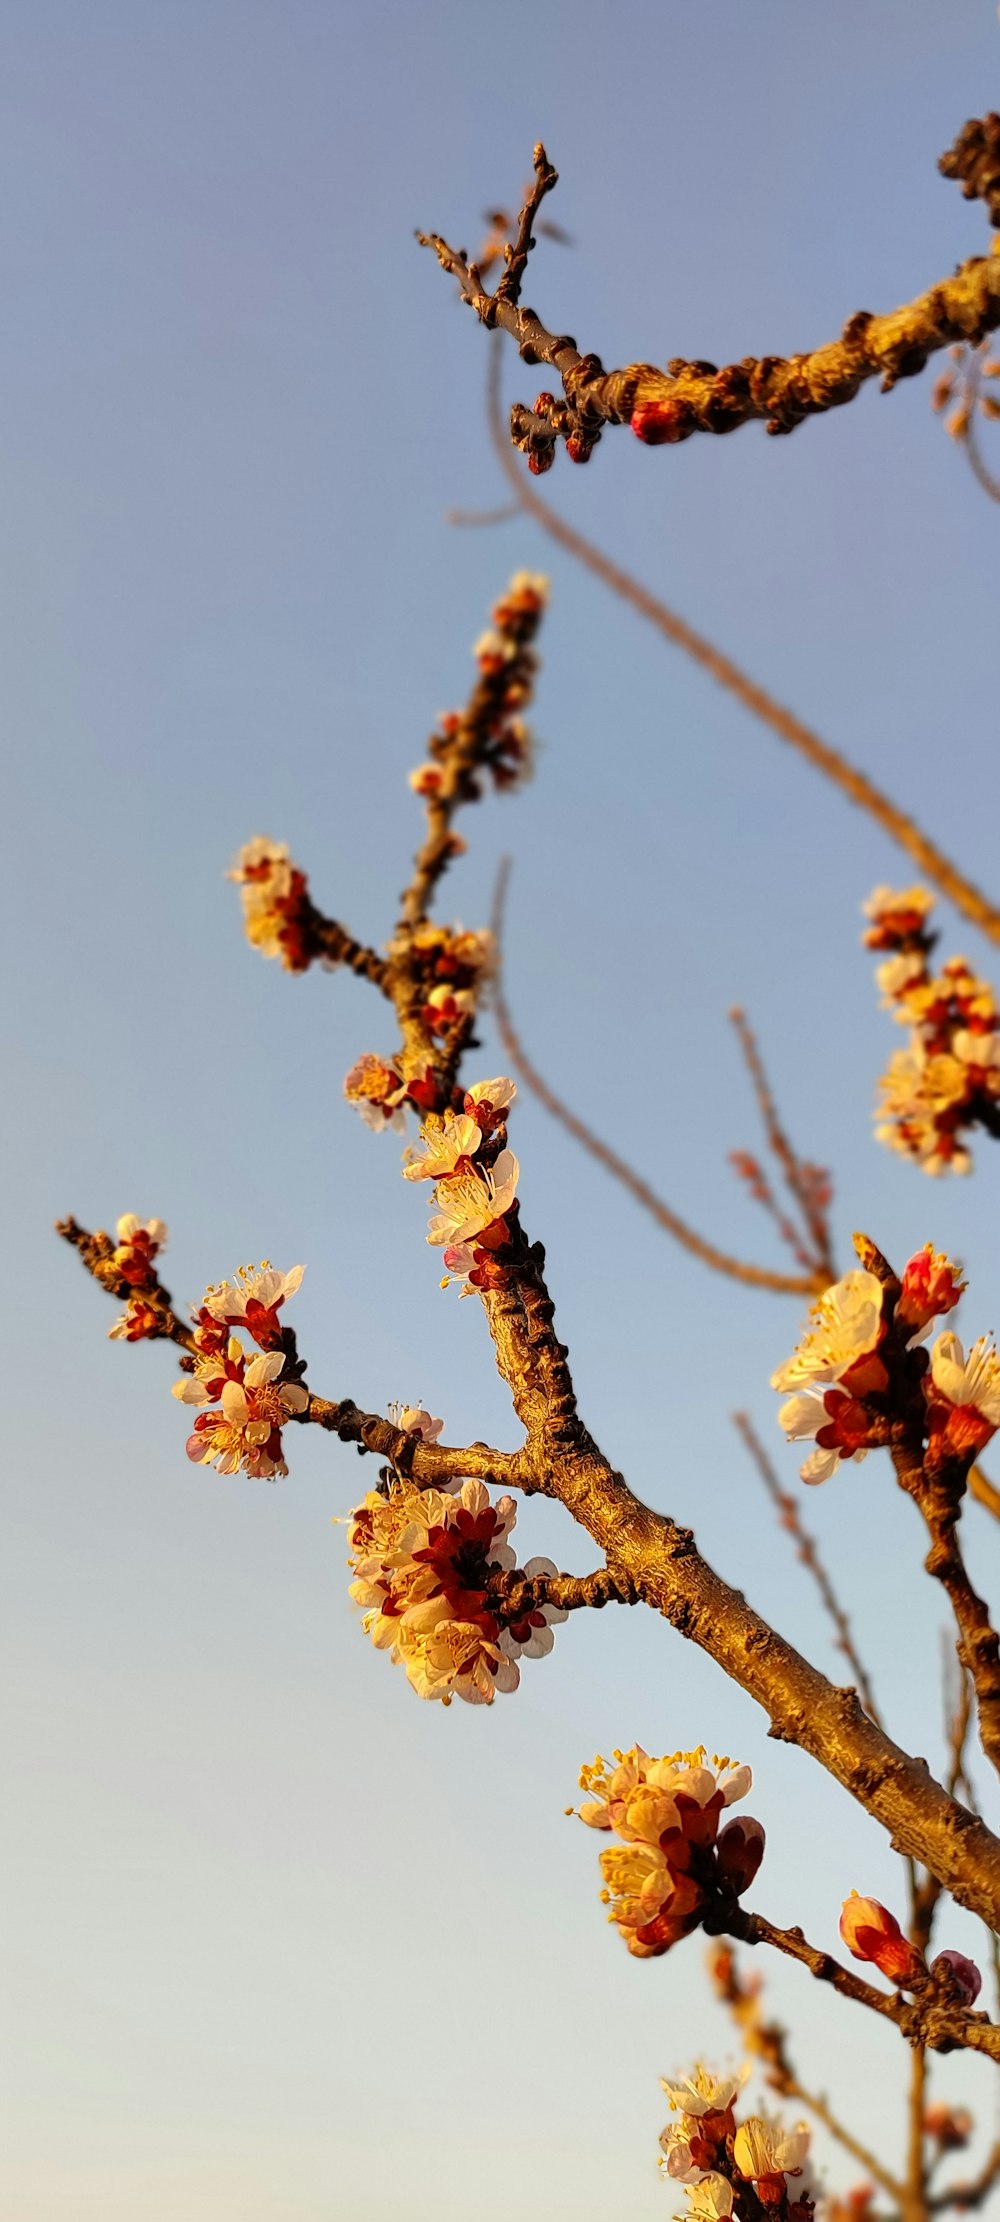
964,1973
870,1932
739,1850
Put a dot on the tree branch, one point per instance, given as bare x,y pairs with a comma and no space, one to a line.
855,784
667,406
930,2018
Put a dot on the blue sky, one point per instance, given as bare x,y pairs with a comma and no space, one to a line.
285,1945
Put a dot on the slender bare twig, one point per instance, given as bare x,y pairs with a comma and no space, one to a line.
666,406
807,1552
972,2194
755,1276
768,2041
853,783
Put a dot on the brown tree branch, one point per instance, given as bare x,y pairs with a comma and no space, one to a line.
753,1276
666,406
853,783
984,1491
972,2194
932,2018
801,1179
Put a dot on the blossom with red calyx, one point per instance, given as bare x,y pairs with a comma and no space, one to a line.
446,1149
690,2146
962,1972
963,1396
138,1244
488,1102
138,1321
897,915
767,2153
446,1005
871,1932
472,1204
842,1427
426,779
245,1407
949,1074
210,1334
932,1285
950,2126
666,1812
422,1562
378,1092
275,898
841,1338
253,1300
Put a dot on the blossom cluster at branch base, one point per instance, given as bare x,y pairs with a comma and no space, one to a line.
859,1373
730,2168
422,1561
948,1076
672,1862
447,967
277,911
504,748
872,1933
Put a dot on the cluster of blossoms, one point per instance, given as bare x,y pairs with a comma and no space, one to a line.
859,1367
137,1246
448,967
278,916
948,1076
508,665
672,1861
729,2168
423,1562
475,1185
872,1933
244,1403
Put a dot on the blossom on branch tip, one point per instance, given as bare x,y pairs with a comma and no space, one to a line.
702,2093
896,914
666,1812
932,1284
841,1336
138,1243
275,898
948,1076
253,1300
245,1407
871,1932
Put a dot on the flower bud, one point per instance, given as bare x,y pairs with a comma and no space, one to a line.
964,1974
658,423
870,1932
739,1850
932,1284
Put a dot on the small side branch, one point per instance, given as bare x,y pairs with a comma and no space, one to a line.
855,784
932,2018
808,1555
666,406
96,1254
753,1276
966,2196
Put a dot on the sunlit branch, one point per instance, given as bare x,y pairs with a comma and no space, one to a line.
932,2017
853,783
667,406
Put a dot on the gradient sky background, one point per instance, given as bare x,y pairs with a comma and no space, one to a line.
286,1945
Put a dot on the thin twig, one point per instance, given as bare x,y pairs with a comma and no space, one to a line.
855,784
666,406
755,1276
807,1552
